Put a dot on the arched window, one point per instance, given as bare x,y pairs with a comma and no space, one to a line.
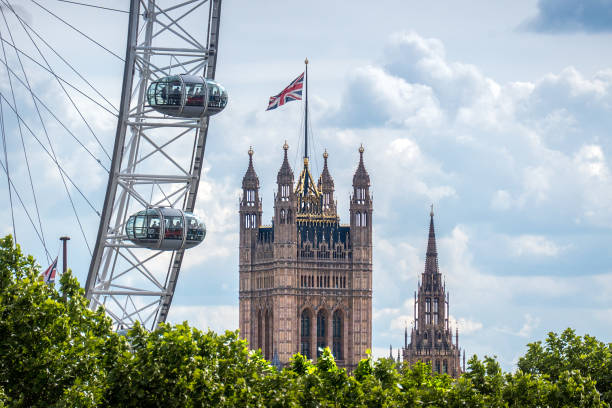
260,330
445,367
435,310
282,216
337,335
250,197
305,334
268,342
360,195
289,217
358,219
321,331
285,192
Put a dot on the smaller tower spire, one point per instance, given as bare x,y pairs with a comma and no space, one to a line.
390,352
285,174
250,179
361,177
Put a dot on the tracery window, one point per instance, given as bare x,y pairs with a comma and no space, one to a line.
305,333
337,335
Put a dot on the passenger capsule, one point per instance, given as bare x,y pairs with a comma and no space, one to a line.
165,228
186,96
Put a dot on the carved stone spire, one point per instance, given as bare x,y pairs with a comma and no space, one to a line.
250,179
285,173
431,260
325,180
361,177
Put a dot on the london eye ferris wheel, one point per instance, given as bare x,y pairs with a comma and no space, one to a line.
152,166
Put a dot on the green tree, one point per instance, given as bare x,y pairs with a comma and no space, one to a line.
51,345
55,352
564,353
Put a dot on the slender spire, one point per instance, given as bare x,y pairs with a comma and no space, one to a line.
250,179
306,113
431,260
325,180
431,244
361,176
285,174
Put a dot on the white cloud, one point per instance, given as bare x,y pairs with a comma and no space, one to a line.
529,325
534,245
218,318
465,326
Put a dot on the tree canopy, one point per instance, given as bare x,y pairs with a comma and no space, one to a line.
55,352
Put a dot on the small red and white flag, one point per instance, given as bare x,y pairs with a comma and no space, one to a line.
48,276
293,92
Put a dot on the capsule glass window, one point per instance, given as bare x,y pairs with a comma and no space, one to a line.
194,94
174,227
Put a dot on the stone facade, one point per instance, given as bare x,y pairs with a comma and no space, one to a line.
306,280
431,339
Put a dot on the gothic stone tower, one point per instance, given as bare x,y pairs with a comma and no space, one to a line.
431,340
306,280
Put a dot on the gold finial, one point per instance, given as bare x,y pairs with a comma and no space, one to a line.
286,146
305,161
306,61
361,149
325,155
431,212
250,150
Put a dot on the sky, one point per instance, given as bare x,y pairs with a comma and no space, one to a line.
497,113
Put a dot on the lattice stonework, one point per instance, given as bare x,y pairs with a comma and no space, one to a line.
156,160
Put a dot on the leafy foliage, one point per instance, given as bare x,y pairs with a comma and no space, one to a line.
55,352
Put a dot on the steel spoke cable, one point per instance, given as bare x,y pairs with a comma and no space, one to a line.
25,154
55,116
74,105
77,30
49,154
94,6
8,176
24,208
35,98
59,78
63,176
24,23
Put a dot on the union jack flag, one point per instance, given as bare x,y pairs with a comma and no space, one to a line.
48,276
291,93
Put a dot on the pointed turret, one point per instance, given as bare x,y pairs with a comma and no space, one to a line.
325,180
284,208
285,173
250,179
250,204
361,209
326,187
361,177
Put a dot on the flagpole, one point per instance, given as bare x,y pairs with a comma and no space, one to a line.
306,112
